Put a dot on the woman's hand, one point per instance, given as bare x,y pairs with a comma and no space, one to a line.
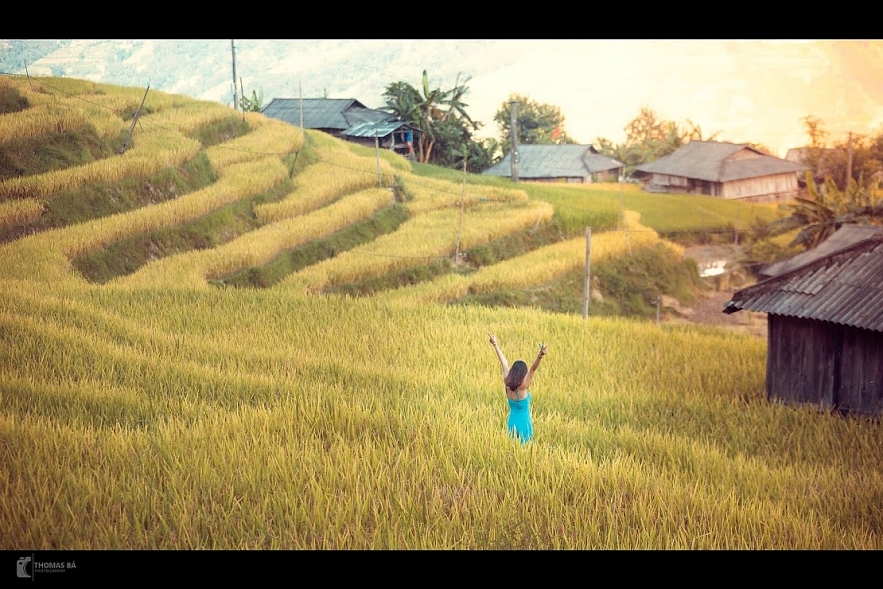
544,349
493,340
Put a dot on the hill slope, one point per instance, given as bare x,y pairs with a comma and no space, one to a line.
248,202
754,91
179,404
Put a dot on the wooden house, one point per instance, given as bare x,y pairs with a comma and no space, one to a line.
825,329
726,170
348,119
559,163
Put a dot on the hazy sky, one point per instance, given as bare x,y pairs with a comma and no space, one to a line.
751,91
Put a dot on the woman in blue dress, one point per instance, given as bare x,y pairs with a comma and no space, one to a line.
517,380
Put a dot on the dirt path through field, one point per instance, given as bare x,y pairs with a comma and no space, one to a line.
709,309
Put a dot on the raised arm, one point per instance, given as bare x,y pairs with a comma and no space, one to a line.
536,364
504,364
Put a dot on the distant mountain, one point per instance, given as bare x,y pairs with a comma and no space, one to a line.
748,91
204,68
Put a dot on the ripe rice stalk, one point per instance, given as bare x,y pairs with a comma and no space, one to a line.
66,243
545,263
448,287
169,407
395,160
193,269
28,258
336,173
343,158
154,151
22,211
186,117
431,193
274,138
429,236
63,87
28,90
37,121
551,261
112,104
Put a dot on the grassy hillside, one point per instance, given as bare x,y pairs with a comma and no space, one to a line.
236,334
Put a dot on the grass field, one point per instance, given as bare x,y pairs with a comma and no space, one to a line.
159,403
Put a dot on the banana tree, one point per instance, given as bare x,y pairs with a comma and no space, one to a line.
826,209
427,110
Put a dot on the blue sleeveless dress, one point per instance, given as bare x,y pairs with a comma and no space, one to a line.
519,423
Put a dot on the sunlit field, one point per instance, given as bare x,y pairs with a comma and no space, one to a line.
162,410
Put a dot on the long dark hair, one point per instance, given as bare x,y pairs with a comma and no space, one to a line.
516,374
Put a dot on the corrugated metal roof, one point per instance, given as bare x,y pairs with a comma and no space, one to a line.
716,161
595,162
319,113
382,129
346,116
844,287
360,116
845,236
554,161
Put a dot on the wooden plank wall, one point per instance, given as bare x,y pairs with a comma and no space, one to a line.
861,373
800,361
763,186
825,365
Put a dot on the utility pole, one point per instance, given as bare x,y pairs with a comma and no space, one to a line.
587,289
513,133
377,155
242,97
462,196
134,120
848,162
235,101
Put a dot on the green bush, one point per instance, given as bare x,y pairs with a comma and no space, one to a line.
635,282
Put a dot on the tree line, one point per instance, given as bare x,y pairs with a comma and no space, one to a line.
447,132
842,186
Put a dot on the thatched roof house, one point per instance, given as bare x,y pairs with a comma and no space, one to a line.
726,170
825,329
559,163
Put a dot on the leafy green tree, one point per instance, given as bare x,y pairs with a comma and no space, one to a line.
432,111
865,167
815,128
455,140
536,123
648,138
